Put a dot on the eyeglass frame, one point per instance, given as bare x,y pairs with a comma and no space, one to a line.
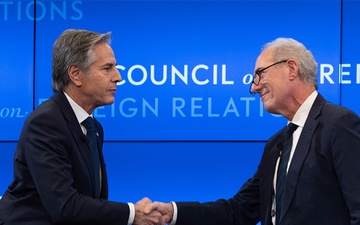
259,73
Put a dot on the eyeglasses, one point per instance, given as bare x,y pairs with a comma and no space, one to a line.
258,73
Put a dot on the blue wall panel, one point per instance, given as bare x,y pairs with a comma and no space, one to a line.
183,125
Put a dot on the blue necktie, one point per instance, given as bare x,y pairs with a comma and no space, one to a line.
91,137
281,174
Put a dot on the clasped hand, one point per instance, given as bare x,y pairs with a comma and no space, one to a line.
152,213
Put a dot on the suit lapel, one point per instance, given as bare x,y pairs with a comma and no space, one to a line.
75,130
272,151
301,152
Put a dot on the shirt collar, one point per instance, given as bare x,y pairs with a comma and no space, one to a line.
303,112
80,113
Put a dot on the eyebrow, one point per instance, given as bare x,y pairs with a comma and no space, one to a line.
109,64
259,69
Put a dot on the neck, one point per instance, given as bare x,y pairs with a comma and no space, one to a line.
79,99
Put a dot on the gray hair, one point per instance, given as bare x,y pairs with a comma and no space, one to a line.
288,48
74,47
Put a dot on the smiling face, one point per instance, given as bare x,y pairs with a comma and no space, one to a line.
274,87
96,87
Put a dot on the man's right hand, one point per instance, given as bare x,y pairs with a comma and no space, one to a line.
152,217
166,210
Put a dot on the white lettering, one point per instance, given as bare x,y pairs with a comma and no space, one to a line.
193,74
324,74
247,104
143,74
223,76
344,73
247,79
175,73
178,108
210,114
183,77
128,108
231,108
194,106
132,111
146,105
152,75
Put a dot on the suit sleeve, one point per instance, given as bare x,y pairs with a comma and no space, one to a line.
242,209
345,144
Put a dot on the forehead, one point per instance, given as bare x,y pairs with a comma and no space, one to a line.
103,53
264,59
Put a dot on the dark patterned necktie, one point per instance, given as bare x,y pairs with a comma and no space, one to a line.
91,137
281,174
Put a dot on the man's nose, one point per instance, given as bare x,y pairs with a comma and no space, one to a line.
256,88
118,76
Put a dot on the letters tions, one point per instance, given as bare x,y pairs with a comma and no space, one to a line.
40,10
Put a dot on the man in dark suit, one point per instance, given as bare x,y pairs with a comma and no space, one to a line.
321,177
54,179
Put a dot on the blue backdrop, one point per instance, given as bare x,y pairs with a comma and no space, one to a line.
183,125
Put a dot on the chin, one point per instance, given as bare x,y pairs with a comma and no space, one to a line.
109,101
269,108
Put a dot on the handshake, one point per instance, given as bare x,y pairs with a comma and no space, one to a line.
153,213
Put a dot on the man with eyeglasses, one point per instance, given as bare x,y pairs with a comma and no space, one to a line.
311,179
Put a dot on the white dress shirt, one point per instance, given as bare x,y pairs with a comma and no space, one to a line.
299,119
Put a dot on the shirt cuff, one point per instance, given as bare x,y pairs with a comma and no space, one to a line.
173,221
132,213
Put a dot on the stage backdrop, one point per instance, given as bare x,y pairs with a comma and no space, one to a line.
183,125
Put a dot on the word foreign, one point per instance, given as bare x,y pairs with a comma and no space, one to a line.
40,10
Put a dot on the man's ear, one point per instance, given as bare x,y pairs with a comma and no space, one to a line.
75,74
293,68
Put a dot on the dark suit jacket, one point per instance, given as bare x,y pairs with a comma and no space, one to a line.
323,182
53,182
